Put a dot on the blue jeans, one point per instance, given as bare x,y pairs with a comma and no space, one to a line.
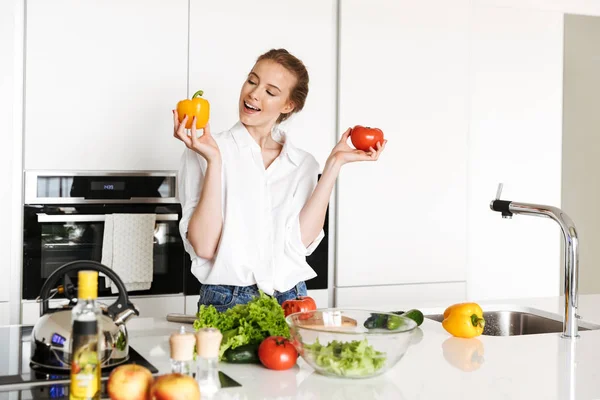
226,296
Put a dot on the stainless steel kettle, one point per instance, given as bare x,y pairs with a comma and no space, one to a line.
51,335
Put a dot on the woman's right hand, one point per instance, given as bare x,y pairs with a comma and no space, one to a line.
204,145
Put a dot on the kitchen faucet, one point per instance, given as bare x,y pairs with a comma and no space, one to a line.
508,208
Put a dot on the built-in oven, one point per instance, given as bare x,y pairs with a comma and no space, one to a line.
64,219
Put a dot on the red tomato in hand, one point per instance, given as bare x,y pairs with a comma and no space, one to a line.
299,304
276,352
364,137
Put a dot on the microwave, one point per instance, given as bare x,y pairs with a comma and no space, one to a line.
63,221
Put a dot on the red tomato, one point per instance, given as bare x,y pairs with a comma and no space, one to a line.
364,137
276,352
299,304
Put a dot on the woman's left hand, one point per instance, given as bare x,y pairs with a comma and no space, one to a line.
343,153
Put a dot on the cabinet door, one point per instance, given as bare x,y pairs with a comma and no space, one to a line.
4,314
9,160
401,297
226,37
515,138
404,69
101,80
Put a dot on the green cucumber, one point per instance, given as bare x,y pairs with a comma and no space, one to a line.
246,354
394,322
413,314
376,321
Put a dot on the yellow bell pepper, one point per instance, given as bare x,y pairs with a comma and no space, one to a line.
464,320
196,107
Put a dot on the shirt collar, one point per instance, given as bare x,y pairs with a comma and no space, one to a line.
242,136
243,139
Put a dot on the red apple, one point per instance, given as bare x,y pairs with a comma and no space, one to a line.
129,382
175,387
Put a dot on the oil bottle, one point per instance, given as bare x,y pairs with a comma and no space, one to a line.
85,357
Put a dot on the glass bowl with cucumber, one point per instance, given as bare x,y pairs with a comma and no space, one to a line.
352,343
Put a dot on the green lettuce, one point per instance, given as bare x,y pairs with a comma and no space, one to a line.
245,324
356,358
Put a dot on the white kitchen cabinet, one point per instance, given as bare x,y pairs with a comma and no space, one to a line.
101,80
515,137
404,69
226,37
583,7
8,161
4,314
10,351
401,297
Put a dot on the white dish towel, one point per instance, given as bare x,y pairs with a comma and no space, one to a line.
127,248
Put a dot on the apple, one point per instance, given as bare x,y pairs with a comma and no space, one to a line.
175,387
129,382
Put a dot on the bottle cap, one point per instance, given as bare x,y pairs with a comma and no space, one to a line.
208,342
87,282
182,345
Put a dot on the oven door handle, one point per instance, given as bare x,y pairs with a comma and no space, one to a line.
42,217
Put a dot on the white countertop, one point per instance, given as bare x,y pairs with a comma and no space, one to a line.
541,366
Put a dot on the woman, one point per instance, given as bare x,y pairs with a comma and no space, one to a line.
252,207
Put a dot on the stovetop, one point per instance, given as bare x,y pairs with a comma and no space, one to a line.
20,380
35,382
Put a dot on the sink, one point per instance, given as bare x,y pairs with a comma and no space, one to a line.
510,322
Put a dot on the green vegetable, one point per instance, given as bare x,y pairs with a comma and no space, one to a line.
414,314
375,321
245,324
245,354
394,322
356,358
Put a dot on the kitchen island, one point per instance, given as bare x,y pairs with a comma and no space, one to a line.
437,366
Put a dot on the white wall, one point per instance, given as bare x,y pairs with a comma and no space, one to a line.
581,141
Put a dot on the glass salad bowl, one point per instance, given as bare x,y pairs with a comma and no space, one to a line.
350,343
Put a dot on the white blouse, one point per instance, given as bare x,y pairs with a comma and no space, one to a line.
260,240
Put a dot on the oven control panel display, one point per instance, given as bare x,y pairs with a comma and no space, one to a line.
96,185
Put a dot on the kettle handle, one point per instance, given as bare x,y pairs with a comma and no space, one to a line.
122,304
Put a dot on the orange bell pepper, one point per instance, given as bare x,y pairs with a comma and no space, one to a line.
196,107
